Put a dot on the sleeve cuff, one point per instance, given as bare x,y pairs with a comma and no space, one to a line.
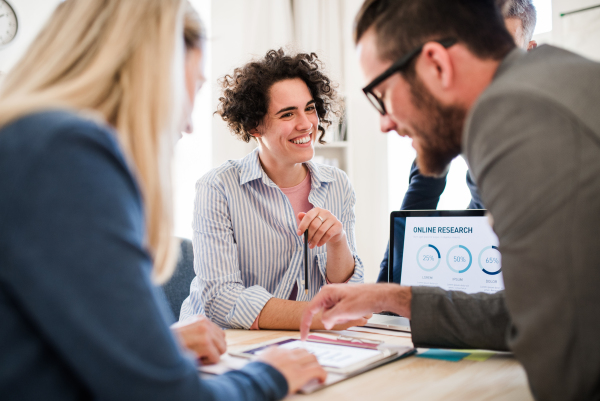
255,324
271,381
248,307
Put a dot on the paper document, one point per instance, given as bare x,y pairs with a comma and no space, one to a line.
329,356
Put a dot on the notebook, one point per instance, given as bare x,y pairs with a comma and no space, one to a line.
341,356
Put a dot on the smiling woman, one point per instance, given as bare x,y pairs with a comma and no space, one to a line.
250,214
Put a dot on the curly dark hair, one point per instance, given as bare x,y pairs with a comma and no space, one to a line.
245,99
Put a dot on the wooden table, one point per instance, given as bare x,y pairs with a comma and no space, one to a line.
498,378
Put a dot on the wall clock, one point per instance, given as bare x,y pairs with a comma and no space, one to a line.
8,23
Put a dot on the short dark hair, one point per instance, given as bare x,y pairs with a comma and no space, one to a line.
525,11
402,25
245,99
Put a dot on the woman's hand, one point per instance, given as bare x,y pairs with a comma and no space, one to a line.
323,227
203,337
298,366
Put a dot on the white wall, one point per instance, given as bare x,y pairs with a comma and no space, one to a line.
577,32
368,157
31,15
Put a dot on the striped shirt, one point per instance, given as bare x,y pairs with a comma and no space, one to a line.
246,249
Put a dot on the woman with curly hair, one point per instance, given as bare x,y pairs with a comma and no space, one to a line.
250,214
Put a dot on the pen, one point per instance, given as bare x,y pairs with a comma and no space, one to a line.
306,262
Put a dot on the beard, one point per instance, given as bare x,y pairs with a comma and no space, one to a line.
439,130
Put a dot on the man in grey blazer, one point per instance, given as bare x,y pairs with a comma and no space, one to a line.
447,74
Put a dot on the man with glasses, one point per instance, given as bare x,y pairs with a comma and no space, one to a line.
424,192
447,74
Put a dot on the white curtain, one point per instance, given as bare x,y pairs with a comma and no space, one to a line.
270,25
318,29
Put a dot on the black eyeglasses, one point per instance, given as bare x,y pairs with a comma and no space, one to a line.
401,63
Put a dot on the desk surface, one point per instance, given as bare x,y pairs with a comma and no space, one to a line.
499,378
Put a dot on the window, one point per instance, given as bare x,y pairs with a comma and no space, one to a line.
193,153
400,157
544,16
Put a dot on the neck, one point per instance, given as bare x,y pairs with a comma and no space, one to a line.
283,175
479,78
472,75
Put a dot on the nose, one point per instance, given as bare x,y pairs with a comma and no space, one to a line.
304,124
387,124
189,126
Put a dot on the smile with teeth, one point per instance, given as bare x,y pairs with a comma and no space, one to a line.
301,140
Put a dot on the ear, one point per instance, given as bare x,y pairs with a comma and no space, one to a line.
532,45
254,132
435,68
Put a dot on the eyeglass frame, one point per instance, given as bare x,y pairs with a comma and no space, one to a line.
398,65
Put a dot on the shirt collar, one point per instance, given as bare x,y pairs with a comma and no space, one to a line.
251,170
509,60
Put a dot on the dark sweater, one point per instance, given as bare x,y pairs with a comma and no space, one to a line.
79,316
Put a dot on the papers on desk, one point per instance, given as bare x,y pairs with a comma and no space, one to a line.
342,357
385,332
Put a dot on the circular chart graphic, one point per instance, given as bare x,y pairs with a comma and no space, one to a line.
459,259
428,257
489,260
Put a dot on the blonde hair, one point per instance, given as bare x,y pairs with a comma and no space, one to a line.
123,61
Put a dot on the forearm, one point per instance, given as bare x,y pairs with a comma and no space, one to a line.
340,261
282,314
456,319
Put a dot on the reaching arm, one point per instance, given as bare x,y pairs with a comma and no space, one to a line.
281,314
84,279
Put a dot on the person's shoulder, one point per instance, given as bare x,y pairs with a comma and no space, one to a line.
332,174
226,174
547,72
36,133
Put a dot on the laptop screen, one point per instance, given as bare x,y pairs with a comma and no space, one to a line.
454,250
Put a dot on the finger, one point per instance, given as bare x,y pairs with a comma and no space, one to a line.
338,314
312,230
300,217
219,341
321,231
307,220
316,371
313,308
210,355
333,231
303,357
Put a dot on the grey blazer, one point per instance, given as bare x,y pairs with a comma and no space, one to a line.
532,142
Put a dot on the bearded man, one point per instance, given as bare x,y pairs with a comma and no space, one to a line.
447,74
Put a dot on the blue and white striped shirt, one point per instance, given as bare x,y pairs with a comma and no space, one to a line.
246,249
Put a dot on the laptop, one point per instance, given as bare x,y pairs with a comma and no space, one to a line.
456,250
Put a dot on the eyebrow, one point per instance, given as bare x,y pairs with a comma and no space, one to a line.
294,107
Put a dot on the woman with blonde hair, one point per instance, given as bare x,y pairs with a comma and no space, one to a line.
88,119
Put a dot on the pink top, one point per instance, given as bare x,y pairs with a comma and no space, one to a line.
298,197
